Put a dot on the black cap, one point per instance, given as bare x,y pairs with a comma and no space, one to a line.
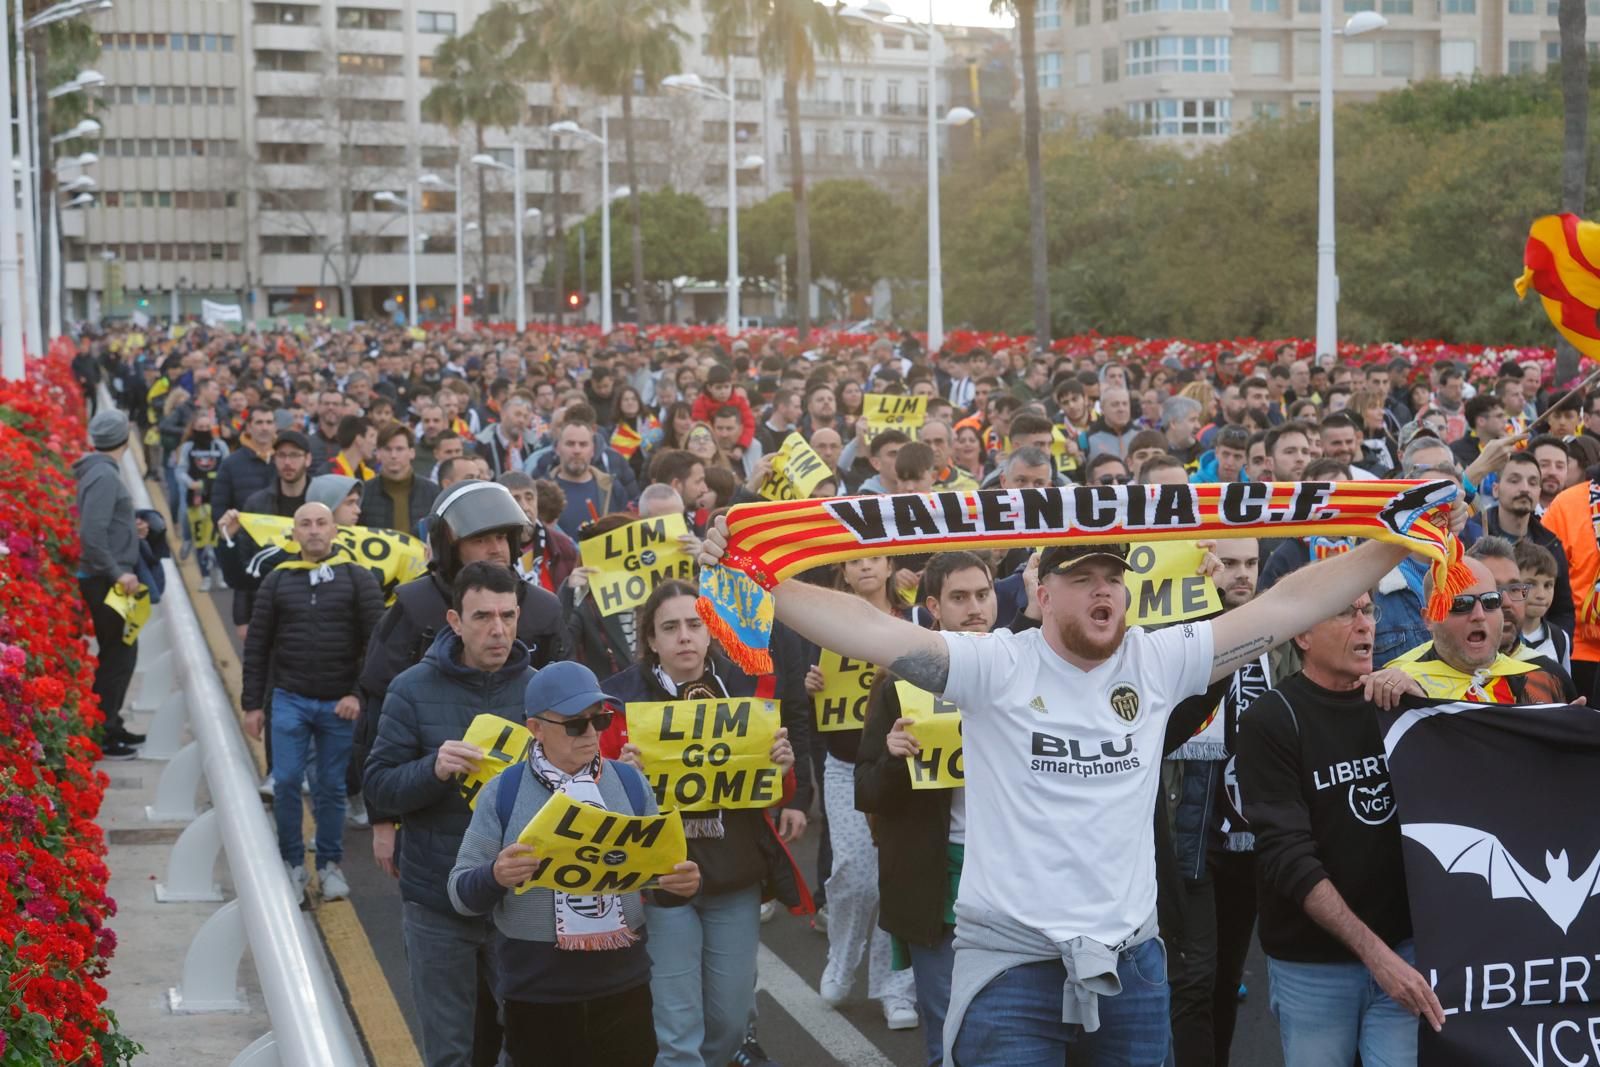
292,437
1058,559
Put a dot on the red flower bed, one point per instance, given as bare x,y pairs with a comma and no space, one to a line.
54,942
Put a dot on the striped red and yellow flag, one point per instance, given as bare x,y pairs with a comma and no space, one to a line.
625,441
1561,262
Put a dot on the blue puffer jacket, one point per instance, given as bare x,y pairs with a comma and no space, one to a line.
427,705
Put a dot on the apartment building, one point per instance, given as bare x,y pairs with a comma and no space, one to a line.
1199,69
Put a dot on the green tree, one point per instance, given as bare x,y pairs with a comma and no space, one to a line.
57,53
478,84
854,224
629,45
676,241
1038,240
789,36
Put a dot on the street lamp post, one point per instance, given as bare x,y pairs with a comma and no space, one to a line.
515,170
12,362
605,211
1327,272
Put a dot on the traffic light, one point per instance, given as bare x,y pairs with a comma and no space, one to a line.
466,301
317,305
573,299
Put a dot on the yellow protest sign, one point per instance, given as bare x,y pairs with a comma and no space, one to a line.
700,755
394,558
587,850
936,724
634,559
796,471
504,744
884,410
135,610
1165,587
846,682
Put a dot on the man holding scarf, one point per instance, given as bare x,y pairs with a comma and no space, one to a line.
308,632
571,972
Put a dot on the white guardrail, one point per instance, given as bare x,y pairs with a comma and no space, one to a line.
177,681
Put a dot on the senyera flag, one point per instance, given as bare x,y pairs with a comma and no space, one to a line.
1561,262
769,542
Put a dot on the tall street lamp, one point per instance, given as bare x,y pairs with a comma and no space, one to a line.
956,116
1327,273
691,83
433,181
409,203
605,210
515,170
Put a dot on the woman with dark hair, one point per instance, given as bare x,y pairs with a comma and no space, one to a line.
676,424
852,884
703,950
627,409
848,396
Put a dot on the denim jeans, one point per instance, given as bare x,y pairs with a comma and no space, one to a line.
1328,1011
296,721
1016,1020
446,955
931,968
703,975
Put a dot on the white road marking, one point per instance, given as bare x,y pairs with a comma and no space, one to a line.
805,1006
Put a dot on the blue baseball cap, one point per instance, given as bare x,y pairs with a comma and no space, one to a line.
565,688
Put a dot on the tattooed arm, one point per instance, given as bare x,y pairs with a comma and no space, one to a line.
1298,602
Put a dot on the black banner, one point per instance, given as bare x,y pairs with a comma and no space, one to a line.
1502,853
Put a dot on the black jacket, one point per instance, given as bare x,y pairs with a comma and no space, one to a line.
311,636
377,509
427,705
241,475
1562,609
408,629
596,640
235,558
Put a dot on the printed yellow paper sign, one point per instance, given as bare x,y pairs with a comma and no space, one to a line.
504,744
135,610
884,410
634,559
394,558
846,683
937,727
708,754
796,471
1165,587
587,850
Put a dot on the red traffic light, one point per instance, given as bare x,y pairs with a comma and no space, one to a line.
573,299
466,299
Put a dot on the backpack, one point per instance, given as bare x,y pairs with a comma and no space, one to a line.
506,784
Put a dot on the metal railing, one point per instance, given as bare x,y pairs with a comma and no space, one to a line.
178,681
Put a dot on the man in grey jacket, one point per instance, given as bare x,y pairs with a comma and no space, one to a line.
476,666
110,554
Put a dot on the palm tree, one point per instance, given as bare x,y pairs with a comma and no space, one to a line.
477,86
1024,10
629,42
789,35
1573,19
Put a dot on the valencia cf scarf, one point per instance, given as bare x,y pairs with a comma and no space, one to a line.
769,542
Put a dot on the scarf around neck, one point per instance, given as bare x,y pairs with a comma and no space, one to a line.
769,542
591,922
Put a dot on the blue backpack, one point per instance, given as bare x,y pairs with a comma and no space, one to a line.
506,784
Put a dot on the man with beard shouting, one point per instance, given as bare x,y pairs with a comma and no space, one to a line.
1062,730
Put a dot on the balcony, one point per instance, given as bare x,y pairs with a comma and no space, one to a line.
823,108
281,37
903,111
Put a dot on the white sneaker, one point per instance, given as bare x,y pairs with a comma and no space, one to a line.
334,887
900,1014
834,992
267,788
769,908
298,880
218,580
205,583
355,813
819,921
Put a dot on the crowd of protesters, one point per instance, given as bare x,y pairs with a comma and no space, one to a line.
503,454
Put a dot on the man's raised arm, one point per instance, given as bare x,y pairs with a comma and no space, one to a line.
1303,599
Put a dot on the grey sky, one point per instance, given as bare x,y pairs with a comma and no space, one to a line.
952,12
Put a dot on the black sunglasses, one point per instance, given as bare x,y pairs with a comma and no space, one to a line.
579,727
1114,479
1462,605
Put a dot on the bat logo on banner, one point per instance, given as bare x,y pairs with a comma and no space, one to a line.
1463,850
1409,506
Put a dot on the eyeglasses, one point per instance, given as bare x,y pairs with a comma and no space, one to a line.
579,727
1516,592
1113,479
1366,611
1462,605
1445,469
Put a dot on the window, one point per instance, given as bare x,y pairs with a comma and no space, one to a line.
425,66
1266,58
1396,7
1047,15
1110,64
229,97
1050,70
438,157
1458,59
143,94
1395,59
1520,7
868,151
894,150
1520,56
194,42
922,98
275,60
1359,59
1177,55
1552,53
1266,109
1182,118
158,42
1460,7
1308,7
147,199
747,88
141,42
866,97
1146,7
1108,10
1084,62
366,18
163,199
891,96
1264,7
847,144
1080,12
213,95
1307,57
436,22
922,145
163,95
368,63
227,42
